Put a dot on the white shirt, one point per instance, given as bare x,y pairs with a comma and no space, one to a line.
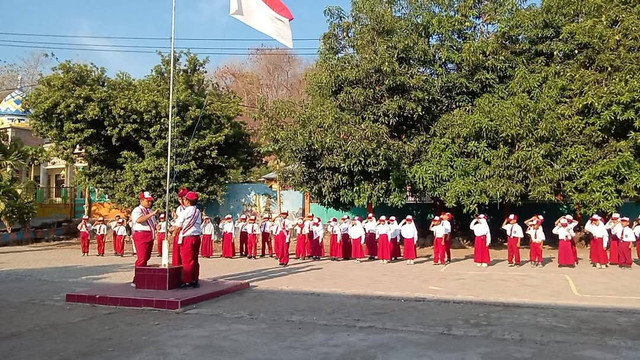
120,230
394,230
207,228
598,231
113,225
636,231
370,226
537,235
84,226
481,228
163,226
101,229
447,226
513,230
382,229
438,231
344,227
252,228
563,232
190,221
626,234
136,214
227,227
318,232
409,231
265,227
242,226
356,231
306,227
333,229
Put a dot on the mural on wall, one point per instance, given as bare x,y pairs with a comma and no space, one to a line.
255,199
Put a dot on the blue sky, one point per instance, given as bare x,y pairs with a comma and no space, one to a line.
147,18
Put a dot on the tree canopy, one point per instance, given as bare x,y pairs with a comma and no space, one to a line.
121,123
470,102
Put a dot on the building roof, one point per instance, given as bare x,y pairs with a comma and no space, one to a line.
12,104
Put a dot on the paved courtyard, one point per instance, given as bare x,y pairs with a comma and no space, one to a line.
325,309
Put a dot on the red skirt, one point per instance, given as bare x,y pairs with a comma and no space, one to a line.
613,249
481,251
228,247
316,249
395,248
333,246
206,246
565,253
597,253
301,246
372,245
356,248
409,249
345,247
384,247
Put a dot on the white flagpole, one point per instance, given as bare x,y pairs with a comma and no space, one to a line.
165,243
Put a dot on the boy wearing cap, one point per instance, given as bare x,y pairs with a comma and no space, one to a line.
482,234
206,247
175,248
101,232
627,238
565,253
345,240
252,238
143,229
409,233
514,236
613,226
228,247
438,241
371,236
85,228
446,223
161,231
282,229
120,232
598,243
112,226
265,231
188,225
536,233
243,237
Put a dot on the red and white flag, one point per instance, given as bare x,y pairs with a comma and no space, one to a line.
270,17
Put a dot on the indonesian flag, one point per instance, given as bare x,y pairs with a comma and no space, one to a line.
270,17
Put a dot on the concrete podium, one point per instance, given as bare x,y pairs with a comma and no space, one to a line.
158,278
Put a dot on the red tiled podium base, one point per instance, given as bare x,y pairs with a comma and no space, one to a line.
124,295
158,278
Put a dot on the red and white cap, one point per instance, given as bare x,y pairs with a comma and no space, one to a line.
284,213
595,217
192,196
564,222
243,217
382,218
265,216
540,217
409,218
437,218
228,217
162,216
615,216
333,220
624,218
449,215
183,192
481,216
100,219
85,217
513,217
370,216
206,217
252,218
357,218
568,217
310,215
146,196
345,217
393,218
120,221
315,221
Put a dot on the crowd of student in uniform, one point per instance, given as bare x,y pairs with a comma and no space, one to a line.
349,239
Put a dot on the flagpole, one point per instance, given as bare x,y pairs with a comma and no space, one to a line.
165,243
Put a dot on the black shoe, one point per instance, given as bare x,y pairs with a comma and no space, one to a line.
195,284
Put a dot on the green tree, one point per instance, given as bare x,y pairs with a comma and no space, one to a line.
121,124
387,71
563,128
17,202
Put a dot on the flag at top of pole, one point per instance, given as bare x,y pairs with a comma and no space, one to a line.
270,17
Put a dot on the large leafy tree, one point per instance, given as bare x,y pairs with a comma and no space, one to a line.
564,128
17,197
387,71
121,123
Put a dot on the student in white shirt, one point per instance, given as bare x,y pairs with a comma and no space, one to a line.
265,231
409,234
144,222
241,228
282,231
206,247
120,233
345,240
382,232
228,247
438,240
161,232
482,235
112,227
599,241
627,238
85,228
394,238
101,233
188,225
536,233
613,226
253,230
357,236
514,237
565,254
446,223
335,248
